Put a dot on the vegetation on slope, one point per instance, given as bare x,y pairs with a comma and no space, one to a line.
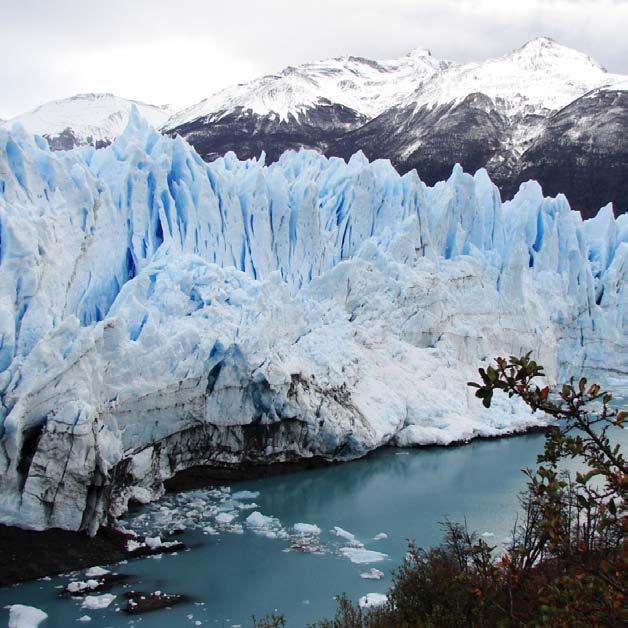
566,564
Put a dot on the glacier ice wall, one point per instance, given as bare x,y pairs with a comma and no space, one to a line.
158,312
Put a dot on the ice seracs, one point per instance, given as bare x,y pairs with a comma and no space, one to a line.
158,313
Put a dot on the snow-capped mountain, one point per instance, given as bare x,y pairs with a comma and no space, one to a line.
540,77
309,105
417,111
95,119
365,86
158,312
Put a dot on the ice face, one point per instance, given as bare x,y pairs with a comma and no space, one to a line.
158,312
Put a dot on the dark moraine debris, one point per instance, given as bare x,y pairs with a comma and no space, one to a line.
201,476
30,554
141,602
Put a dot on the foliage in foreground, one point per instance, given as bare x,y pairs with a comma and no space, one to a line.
566,564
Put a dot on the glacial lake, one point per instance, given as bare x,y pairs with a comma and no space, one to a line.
240,571
245,557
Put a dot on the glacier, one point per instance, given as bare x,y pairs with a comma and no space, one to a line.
159,313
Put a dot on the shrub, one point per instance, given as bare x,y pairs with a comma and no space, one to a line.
566,564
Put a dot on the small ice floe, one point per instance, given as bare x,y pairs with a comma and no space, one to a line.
234,528
380,537
245,495
153,542
81,586
84,618
356,544
402,453
306,545
372,574
210,530
362,556
372,600
132,545
153,545
224,518
263,525
306,529
22,616
248,506
96,602
488,535
95,572
338,531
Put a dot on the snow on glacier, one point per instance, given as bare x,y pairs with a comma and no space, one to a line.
158,312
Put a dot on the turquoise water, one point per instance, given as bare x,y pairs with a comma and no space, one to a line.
232,576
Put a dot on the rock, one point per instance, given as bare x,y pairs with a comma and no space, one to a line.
140,602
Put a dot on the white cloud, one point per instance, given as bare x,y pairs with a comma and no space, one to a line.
163,51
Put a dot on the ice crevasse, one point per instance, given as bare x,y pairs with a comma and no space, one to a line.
158,312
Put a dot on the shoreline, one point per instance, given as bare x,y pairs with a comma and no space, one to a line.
32,554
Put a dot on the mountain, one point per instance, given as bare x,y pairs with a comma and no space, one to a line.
95,119
309,105
158,313
583,149
425,114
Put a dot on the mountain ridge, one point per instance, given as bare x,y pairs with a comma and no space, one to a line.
418,111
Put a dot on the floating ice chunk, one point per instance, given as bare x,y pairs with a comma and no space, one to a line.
247,506
84,618
245,495
373,600
210,530
372,574
95,572
96,602
80,586
307,528
380,537
488,534
338,531
362,556
153,542
258,520
22,616
132,545
225,517
265,526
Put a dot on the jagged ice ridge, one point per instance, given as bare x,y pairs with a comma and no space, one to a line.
158,312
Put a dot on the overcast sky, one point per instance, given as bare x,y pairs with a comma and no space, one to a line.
179,51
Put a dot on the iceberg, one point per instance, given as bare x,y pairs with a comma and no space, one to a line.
158,312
